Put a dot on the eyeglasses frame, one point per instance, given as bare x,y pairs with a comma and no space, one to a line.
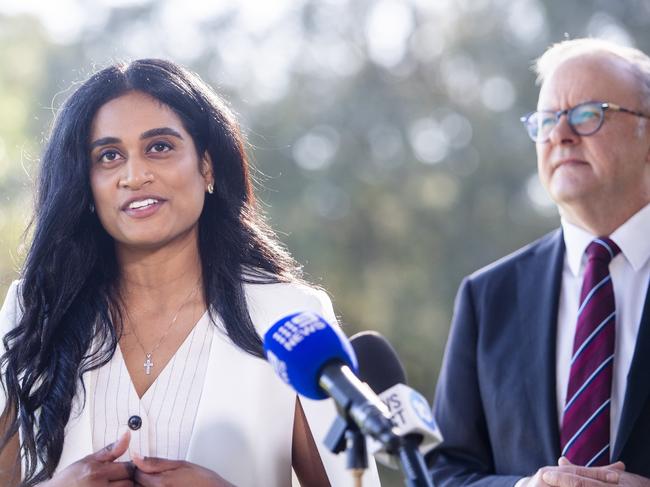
604,106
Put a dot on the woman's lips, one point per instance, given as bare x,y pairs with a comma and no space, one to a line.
144,211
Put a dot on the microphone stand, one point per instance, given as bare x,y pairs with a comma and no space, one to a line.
344,434
357,456
412,463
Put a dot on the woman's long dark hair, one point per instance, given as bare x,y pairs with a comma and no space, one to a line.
69,289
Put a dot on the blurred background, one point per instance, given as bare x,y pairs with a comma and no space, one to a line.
385,133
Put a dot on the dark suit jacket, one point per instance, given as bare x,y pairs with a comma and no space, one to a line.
495,400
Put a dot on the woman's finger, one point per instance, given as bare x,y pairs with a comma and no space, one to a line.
155,464
142,479
114,450
117,471
122,483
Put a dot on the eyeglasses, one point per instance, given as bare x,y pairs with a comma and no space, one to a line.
584,119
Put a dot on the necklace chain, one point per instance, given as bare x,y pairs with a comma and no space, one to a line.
148,364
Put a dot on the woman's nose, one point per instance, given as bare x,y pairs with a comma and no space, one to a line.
136,173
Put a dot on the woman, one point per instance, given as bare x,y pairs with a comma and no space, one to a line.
138,317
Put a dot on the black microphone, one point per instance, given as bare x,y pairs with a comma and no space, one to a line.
381,369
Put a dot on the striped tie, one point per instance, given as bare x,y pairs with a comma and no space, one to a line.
585,428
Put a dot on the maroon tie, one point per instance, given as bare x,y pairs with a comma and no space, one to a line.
585,428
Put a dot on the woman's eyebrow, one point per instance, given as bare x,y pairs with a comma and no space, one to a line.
160,131
104,141
145,135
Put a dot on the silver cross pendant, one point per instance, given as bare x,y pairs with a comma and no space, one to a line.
148,364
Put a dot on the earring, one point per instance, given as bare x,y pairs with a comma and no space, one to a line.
210,188
91,208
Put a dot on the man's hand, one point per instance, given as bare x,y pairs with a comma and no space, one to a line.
161,472
568,475
98,469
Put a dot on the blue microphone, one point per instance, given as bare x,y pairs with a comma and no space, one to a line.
299,345
317,360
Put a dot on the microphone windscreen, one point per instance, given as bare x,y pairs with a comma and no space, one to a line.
299,346
379,365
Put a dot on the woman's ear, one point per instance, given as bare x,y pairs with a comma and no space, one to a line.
206,172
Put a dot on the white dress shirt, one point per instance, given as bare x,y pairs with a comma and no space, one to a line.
630,271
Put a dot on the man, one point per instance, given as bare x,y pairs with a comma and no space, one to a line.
546,376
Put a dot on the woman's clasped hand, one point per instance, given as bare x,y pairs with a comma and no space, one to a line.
98,469
161,472
102,469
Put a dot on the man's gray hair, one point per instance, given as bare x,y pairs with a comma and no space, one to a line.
638,61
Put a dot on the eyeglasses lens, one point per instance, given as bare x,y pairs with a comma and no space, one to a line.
540,124
586,119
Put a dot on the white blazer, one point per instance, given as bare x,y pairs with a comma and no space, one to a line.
244,423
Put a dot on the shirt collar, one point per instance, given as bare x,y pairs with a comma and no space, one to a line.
630,237
576,241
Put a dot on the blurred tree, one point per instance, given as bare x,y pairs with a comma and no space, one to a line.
23,50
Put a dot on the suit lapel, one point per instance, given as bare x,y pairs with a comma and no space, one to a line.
539,279
638,385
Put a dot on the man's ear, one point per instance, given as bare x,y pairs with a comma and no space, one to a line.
206,169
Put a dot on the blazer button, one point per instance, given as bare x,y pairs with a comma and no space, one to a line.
135,422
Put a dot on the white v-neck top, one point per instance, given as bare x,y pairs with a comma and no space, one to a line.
167,409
